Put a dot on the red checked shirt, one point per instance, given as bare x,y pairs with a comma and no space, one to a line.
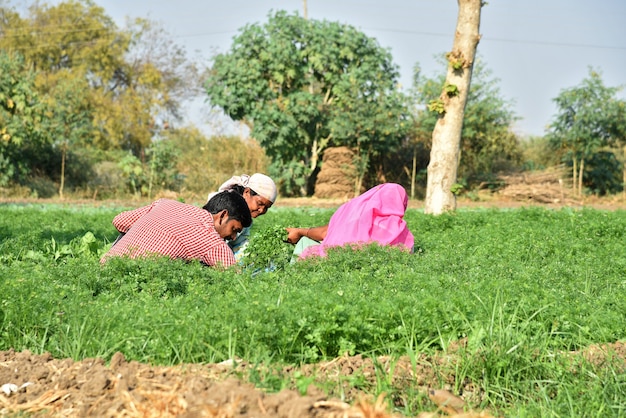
171,228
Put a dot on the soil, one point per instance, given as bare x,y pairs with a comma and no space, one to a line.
46,387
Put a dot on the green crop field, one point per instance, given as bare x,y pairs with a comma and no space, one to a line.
523,293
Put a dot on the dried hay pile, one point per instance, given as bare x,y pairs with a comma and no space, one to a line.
337,177
549,186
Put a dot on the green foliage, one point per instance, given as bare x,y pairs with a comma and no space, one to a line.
80,246
132,170
268,249
69,113
522,288
451,90
436,106
96,86
590,118
162,163
456,60
158,172
457,188
291,177
538,153
305,85
603,173
21,112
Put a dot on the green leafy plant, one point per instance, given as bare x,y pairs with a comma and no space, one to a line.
451,90
308,87
268,249
457,189
437,106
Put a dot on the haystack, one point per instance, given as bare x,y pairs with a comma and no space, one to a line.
337,177
547,186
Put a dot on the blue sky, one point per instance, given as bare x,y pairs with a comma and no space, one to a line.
536,48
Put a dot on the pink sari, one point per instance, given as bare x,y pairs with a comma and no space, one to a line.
374,216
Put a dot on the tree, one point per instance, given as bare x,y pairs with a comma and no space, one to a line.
304,85
68,121
21,111
72,43
487,143
135,75
104,87
444,155
589,118
179,77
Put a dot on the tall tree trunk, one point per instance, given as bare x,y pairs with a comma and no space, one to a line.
63,153
444,154
580,176
413,172
624,175
574,174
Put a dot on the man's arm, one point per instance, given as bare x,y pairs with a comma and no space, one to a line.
219,255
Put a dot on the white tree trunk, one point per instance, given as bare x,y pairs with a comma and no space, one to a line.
581,169
624,175
574,174
444,154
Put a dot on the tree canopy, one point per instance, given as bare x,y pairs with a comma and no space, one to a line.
21,112
304,85
590,118
93,84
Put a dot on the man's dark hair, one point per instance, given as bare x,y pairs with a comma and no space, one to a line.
233,203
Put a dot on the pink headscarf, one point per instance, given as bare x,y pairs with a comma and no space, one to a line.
374,216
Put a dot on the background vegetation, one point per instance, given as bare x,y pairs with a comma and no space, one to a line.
94,110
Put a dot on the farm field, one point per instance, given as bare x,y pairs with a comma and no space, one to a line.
514,311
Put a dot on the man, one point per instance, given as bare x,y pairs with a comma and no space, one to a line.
259,192
178,230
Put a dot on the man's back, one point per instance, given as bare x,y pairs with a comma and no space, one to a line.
170,228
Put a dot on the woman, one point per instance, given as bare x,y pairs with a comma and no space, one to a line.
259,191
374,216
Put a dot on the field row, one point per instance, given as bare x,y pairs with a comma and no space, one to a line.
517,287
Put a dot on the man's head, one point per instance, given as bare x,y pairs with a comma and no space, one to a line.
230,213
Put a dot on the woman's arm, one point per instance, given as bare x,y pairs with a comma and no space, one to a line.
317,233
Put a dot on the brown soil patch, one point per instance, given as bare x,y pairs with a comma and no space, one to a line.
48,387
